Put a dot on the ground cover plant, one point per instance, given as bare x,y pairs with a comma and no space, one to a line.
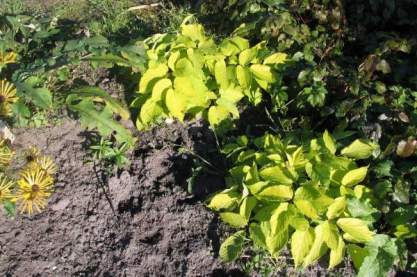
208,138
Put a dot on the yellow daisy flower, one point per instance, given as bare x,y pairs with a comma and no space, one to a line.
34,188
5,188
6,154
45,163
7,57
7,97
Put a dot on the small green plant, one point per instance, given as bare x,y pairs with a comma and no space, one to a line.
109,154
305,196
189,75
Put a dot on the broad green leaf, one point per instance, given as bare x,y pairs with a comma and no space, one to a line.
102,120
329,142
355,176
318,249
276,58
336,208
265,213
243,76
356,228
224,201
9,207
357,254
233,219
263,72
258,235
276,174
95,92
40,97
336,255
151,76
359,149
232,247
299,223
301,242
276,193
176,104
382,253
247,206
220,72
330,235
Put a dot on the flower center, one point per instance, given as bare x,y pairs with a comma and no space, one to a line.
2,99
35,188
30,158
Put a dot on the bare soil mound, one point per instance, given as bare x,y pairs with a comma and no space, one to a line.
139,223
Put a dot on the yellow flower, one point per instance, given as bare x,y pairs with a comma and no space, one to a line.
7,57
6,154
45,163
34,188
5,188
7,97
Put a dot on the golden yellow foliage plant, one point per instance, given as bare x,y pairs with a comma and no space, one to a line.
188,74
304,197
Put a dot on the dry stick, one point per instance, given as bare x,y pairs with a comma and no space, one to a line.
143,7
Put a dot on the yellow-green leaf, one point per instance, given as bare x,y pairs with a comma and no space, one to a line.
160,87
194,31
263,72
277,241
220,72
217,114
243,76
276,58
276,174
336,208
276,193
246,56
149,112
330,235
318,249
359,149
247,206
301,242
336,255
356,228
150,76
329,142
306,208
354,176
176,104
224,201
233,219
232,246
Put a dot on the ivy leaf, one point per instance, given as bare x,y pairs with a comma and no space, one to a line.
232,247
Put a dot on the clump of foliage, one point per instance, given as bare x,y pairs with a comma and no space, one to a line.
305,196
188,75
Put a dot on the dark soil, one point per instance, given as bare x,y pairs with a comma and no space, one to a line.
138,223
